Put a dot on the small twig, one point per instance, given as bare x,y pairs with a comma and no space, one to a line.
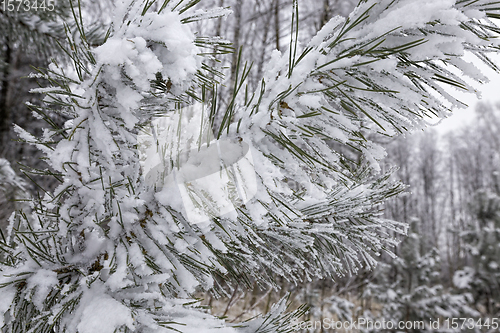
254,305
230,301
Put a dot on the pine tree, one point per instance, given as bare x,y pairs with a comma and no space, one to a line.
30,34
161,196
481,240
477,152
12,192
409,290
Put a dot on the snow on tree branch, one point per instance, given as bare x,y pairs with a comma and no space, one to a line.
108,240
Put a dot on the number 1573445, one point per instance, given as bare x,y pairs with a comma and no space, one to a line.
27,5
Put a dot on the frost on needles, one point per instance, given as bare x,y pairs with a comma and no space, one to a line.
108,241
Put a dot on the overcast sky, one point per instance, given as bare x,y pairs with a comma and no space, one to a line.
490,93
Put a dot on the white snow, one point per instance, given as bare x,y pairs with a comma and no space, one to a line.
101,313
463,278
42,281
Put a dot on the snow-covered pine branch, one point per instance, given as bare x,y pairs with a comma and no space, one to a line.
298,192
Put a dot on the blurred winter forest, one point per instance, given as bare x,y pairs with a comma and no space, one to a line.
448,265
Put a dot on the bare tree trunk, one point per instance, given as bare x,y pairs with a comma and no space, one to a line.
262,60
277,23
454,241
322,302
237,27
326,13
4,93
218,27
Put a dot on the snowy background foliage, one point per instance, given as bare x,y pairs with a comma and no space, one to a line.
170,179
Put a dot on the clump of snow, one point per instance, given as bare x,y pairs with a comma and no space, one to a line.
101,313
8,295
42,281
463,278
148,44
